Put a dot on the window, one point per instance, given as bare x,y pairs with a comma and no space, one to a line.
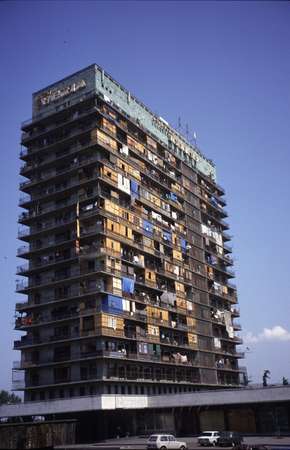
51,395
112,322
82,391
142,347
117,283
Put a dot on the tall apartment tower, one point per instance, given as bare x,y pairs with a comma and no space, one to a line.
128,267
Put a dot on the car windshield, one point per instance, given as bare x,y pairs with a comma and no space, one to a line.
206,434
152,439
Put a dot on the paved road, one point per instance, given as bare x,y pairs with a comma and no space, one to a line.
135,443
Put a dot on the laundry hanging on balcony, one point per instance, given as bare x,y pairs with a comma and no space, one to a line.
168,297
228,324
123,183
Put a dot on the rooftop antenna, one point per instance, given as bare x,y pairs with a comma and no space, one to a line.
187,132
179,127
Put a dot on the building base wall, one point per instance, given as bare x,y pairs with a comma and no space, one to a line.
93,426
37,435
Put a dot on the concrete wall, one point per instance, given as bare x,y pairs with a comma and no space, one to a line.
110,402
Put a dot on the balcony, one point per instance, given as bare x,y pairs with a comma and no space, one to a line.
19,306
26,216
229,353
58,173
61,139
46,262
227,237
223,294
235,311
50,301
231,285
45,226
227,366
237,326
24,250
168,341
25,137
220,267
51,159
23,232
53,192
23,285
82,98
29,321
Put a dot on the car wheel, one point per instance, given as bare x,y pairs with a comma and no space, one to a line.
213,443
182,447
163,448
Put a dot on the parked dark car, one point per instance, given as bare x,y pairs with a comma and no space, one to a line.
229,439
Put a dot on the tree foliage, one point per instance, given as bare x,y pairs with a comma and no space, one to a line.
6,398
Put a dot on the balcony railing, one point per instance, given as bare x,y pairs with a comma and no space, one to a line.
44,226
40,116
237,326
165,359
24,268
235,311
221,293
22,232
75,116
25,284
61,139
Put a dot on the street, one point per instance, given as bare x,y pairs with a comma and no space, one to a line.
139,443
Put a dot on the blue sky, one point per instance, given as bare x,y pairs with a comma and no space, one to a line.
224,68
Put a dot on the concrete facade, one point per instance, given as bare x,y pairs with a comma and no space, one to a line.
274,394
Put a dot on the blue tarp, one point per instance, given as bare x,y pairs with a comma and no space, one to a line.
134,186
166,236
183,244
148,227
173,197
112,303
128,285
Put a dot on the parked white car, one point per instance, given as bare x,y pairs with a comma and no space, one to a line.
164,442
208,438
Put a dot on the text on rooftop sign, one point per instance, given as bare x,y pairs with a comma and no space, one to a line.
55,94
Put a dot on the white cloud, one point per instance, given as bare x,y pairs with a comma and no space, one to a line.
277,333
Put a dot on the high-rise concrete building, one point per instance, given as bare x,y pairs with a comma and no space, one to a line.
128,265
